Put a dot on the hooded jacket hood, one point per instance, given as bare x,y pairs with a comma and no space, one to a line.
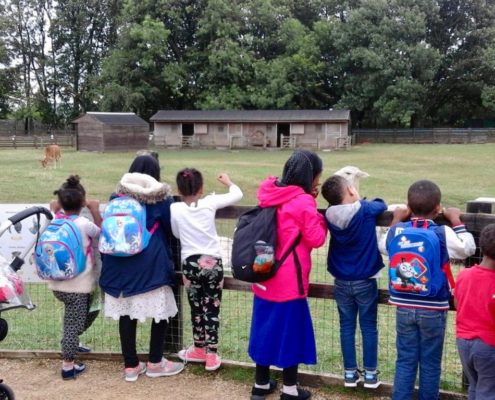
272,194
142,187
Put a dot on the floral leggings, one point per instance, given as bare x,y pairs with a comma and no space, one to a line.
203,280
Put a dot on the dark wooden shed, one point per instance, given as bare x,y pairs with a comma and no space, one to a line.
101,131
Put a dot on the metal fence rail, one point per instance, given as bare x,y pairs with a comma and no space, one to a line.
41,329
425,135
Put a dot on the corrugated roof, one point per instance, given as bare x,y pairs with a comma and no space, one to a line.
251,116
111,118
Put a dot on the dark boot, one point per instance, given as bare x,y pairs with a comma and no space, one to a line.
259,394
302,395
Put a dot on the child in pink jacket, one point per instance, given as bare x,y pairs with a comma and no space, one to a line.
281,330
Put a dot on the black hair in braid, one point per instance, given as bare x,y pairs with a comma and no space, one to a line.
302,167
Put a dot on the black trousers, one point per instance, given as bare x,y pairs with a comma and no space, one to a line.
127,331
289,375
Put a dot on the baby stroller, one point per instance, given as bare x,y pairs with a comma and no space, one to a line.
12,292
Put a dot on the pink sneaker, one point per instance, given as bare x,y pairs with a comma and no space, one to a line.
163,368
131,374
213,361
193,354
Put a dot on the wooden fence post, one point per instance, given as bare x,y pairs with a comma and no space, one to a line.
174,340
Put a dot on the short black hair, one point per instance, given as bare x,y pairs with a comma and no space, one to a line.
487,241
333,190
71,194
423,197
189,181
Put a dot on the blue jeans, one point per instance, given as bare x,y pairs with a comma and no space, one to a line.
353,298
478,361
420,335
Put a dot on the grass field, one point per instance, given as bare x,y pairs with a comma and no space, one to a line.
464,172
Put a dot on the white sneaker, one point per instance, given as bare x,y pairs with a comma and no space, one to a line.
131,374
163,368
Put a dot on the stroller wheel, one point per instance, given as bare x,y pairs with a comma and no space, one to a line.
4,329
6,392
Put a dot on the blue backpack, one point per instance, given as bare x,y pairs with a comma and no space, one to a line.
123,230
59,253
415,261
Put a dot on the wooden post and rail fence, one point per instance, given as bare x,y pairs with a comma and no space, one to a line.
474,221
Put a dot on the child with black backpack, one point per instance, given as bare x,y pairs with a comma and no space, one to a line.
419,251
193,223
75,293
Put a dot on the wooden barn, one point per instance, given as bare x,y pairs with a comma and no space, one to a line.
320,129
102,131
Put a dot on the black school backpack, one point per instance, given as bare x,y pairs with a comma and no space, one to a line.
254,245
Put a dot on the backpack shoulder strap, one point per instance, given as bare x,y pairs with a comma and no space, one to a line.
292,249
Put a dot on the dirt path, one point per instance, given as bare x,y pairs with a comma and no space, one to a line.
40,380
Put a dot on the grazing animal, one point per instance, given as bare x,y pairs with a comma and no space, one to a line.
51,154
352,175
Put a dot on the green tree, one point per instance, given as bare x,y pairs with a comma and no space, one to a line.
464,33
82,33
136,76
378,62
295,79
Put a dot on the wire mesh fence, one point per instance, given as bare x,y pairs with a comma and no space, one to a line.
41,329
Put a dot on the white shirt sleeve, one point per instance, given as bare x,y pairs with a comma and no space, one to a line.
223,200
88,227
173,219
460,243
382,233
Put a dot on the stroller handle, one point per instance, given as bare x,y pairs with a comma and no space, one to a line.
28,212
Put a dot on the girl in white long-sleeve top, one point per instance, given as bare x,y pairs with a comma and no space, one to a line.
193,223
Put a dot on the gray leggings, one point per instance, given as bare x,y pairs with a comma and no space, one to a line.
77,319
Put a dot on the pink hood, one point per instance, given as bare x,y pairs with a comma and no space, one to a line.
297,213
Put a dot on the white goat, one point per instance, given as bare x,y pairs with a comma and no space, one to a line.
352,175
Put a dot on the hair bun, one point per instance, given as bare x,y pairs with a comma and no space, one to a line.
73,181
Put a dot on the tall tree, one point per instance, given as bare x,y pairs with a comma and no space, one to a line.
464,34
380,65
82,34
137,75
7,79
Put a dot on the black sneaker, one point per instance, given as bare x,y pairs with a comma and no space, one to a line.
82,348
351,378
259,393
371,380
74,372
301,395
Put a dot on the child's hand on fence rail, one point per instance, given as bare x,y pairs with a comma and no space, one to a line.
400,214
453,215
